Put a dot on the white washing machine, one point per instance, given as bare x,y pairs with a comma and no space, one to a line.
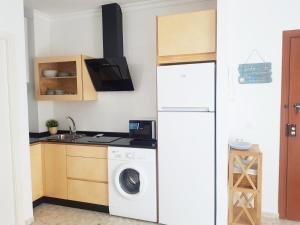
132,183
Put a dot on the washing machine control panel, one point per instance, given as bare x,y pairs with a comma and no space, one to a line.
131,154
127,155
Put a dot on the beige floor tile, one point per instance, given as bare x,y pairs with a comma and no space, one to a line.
274,221
47,214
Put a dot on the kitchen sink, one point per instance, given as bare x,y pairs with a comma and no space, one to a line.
66,137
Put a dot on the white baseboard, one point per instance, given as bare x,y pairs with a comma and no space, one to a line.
29,221
270,215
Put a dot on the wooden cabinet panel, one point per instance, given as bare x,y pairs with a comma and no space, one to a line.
91,169
90,192
36,158
55,171
89,92
186,37
87,151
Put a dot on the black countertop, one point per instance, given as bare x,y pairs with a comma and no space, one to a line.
88,140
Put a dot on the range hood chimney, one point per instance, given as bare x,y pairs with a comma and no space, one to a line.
111,73
112,30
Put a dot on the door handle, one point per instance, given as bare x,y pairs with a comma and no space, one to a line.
297,106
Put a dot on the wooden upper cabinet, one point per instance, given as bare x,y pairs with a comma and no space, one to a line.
186,37
37,169
55,171
72,83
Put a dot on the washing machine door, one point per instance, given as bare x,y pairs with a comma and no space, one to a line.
130,181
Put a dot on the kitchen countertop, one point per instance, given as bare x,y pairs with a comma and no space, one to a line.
120,142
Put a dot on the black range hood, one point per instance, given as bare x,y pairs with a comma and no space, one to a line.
111,73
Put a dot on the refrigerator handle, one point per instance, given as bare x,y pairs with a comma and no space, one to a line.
185,109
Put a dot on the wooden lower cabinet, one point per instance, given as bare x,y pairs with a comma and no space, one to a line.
55,171
86,191
36,159
72,172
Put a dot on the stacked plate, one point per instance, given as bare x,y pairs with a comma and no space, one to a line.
55,92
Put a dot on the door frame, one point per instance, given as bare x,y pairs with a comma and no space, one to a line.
283,161
17,145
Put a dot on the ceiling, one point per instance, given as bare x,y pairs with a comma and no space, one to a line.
66,6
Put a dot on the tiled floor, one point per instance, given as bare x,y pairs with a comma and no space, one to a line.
57,215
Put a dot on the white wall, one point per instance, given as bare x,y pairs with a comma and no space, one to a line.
81,33
255,109
30,52
38,36
222,113
15,196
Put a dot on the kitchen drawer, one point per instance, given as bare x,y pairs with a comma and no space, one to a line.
91,169
89,192
87,151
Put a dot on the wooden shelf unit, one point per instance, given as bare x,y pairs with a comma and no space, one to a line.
245,184
76,88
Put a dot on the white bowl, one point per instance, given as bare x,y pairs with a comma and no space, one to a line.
240,145
50,73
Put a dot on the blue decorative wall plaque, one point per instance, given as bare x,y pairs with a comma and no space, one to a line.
254,73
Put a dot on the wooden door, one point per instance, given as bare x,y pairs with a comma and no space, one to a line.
36,158
55,171
289,195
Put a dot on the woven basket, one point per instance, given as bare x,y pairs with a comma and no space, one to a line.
245,183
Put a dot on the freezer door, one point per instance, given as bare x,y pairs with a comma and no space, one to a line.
188,87
186,163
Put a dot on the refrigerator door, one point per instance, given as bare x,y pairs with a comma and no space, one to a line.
188,87
186,163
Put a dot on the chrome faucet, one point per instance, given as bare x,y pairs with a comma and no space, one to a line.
72,129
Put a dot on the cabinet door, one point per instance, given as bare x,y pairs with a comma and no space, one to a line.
55,171
88,89
36,158
90,192
187,34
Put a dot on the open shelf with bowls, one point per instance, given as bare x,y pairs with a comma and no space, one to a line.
63,79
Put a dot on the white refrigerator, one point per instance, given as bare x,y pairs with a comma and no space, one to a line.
186,144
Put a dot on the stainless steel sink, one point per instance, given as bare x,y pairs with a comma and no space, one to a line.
66,137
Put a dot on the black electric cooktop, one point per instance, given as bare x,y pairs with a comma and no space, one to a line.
102,140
